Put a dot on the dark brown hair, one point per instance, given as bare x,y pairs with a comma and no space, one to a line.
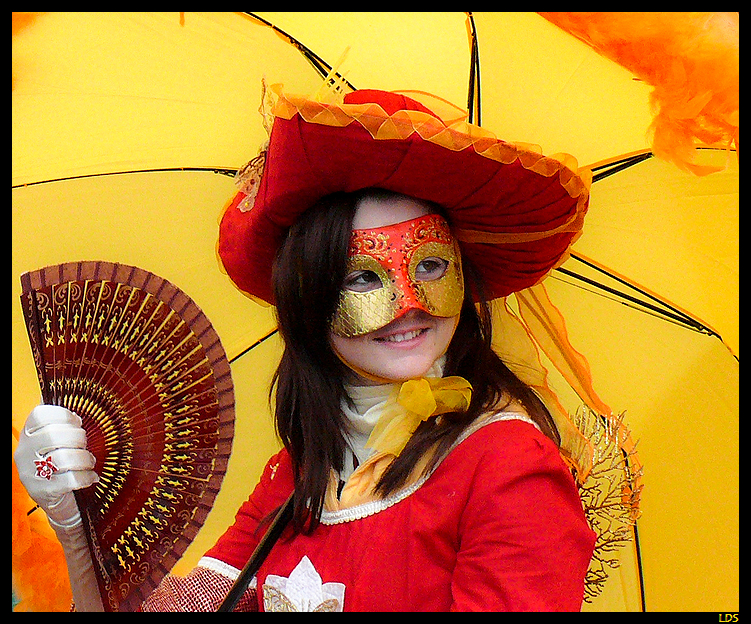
309,382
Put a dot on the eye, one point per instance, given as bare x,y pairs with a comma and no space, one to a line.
362,281
431,269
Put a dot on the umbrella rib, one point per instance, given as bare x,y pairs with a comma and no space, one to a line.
679,313
321,66
667,312
473,96
218,170
663,309
254,345
637,544
609,169
616,297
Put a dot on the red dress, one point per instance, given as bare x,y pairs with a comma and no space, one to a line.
497,526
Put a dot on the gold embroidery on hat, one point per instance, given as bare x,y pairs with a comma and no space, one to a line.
248,177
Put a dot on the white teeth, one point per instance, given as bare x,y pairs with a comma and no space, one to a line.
402,337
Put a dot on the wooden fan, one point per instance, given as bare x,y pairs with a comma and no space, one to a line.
139,362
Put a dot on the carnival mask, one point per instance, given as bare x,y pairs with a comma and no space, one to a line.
390,270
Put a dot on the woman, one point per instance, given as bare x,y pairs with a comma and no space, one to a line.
426,475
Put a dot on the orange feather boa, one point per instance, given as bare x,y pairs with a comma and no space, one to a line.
40,576
691,60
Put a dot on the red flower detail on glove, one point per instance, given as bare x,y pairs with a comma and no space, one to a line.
45,468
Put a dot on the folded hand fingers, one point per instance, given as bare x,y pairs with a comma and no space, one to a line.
57,436
44,415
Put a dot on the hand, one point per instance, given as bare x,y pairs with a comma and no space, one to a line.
52,461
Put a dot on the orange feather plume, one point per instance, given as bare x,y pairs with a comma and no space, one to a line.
691,60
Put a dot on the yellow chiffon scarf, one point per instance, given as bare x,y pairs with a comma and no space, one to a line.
409,404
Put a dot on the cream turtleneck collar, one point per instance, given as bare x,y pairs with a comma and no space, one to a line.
367,406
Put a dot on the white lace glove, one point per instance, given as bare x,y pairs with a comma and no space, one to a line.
52,462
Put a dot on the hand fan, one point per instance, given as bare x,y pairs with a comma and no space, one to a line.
139,362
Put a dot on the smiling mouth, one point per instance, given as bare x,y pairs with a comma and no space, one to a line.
403,336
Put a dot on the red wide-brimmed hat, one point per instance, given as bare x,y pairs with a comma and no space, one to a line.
514,211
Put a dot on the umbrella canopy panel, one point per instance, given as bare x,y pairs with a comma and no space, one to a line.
192,87
674,234
538,84
112,92
542,86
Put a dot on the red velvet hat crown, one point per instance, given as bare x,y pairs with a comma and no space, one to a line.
514,211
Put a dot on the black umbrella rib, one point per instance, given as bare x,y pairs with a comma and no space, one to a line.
218,170
254,345
604,171
474,107
321,66
652,304
324,69
660,308
637,543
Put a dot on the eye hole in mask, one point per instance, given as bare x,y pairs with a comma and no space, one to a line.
362,281
431,268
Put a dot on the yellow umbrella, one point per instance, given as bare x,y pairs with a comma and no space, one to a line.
174,97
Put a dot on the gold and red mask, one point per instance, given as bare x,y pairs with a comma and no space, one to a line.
411,265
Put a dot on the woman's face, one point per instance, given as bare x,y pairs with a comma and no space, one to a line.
408,346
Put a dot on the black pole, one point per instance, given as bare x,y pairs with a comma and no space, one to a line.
473,95
256,559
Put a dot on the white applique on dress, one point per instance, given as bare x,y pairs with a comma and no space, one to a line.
302,591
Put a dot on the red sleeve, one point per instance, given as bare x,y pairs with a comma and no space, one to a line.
525,544
240,540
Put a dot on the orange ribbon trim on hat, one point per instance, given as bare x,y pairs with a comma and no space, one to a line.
455,135
574,224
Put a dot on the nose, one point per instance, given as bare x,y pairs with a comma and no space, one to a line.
405,293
